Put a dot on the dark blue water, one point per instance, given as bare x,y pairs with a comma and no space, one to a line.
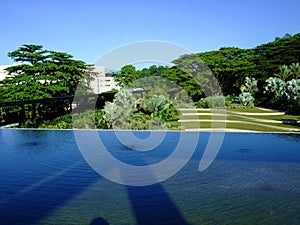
44,179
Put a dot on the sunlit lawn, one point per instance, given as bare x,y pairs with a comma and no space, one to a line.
248,122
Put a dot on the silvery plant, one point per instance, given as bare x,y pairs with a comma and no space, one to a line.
275,85
292,89
246,98
250,85
156,104
289,89
117,113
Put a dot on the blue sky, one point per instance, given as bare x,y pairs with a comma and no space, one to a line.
88,29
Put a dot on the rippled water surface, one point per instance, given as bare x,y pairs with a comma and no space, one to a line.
44,179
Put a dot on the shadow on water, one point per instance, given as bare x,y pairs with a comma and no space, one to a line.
31,190
39,174
152,205
34,205
99,221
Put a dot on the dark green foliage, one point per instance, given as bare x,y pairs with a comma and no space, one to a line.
126,75
87,120
268,57
185,81
294,108
43,74
229,65
129,75
127,112
63,122
211,102
232,65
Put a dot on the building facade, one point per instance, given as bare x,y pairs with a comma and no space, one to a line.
103,81
3,73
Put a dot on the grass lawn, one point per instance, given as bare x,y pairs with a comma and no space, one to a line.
251,110
238,126
247,122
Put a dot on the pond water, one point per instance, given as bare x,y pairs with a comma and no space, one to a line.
44,179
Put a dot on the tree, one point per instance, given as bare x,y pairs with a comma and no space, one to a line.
126,75
43,74
186,81
131,77
229,65
267,57
284,73
295,70
232,65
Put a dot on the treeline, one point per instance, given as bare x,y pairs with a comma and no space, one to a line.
267,75
231,66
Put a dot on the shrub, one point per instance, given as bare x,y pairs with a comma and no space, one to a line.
62,122
246,99
211,102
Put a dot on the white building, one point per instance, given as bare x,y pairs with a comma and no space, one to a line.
3,73
103,81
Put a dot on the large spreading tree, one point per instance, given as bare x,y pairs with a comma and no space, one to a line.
230,66
39,74
42,73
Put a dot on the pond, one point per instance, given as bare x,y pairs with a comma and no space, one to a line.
255,179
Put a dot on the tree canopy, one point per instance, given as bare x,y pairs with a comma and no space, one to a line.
126,75
229,65
42,74
268,57
39,74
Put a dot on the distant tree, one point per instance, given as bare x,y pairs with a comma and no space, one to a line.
267,57
232,65
129,75
229,65
153,71
287,35
126,75
186,81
